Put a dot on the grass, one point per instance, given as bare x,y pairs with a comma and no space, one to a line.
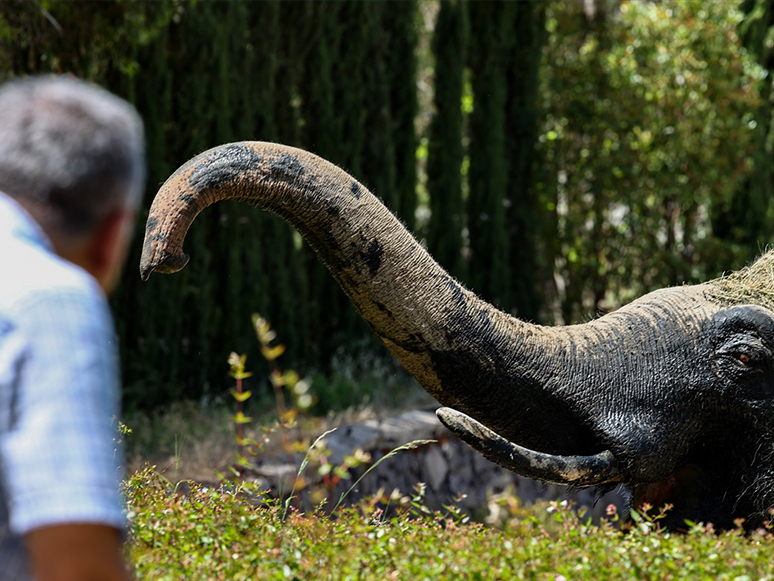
234,533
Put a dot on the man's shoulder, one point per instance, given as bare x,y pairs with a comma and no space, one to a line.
30,273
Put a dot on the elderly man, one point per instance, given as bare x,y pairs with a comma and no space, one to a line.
71,173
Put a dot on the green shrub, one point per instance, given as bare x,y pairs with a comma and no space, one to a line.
236,533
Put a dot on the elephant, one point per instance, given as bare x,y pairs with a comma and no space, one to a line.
672,395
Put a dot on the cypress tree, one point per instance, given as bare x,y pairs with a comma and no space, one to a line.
350,89
320,130
192,321
379,152
195,126
489,275
287,281
400,24
295,300
525,40
331,310
445,148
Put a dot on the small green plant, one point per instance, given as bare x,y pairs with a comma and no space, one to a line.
122,430
390,454
647,518
332,474
271,353
246,446
298,388
237,365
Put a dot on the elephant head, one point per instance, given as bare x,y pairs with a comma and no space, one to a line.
671,395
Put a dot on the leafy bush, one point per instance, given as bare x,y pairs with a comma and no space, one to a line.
236,533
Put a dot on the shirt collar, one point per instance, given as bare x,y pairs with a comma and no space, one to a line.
16,222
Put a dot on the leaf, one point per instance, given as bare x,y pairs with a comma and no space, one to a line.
271,353
241,418
277,378
234,360
357,458
245,441
237,364
289,415
240,397
263,330
341,472
302,386
291,379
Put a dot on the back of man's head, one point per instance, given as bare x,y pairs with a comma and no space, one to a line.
70,152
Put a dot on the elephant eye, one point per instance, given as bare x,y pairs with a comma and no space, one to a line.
745,352
745,359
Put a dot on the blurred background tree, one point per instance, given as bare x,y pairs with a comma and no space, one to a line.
560,158
649,133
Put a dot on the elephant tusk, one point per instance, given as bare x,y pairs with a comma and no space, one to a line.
574,470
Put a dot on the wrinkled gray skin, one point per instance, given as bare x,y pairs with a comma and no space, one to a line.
671,395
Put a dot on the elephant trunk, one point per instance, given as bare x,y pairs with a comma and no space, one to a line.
403,294
462,350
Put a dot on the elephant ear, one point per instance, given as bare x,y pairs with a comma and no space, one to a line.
593,470
743,350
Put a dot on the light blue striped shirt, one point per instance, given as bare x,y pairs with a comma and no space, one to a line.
59,392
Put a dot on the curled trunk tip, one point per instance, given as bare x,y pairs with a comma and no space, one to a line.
167,263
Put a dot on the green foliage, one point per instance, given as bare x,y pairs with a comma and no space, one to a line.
648,134
482,225
332,474
401,22
54,36
236,533
298,389
743,220
317,455
302,399
523,118
237,366
490,33
445,150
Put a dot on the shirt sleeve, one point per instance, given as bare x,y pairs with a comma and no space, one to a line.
59,458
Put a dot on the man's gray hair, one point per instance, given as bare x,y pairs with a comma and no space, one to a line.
70,147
